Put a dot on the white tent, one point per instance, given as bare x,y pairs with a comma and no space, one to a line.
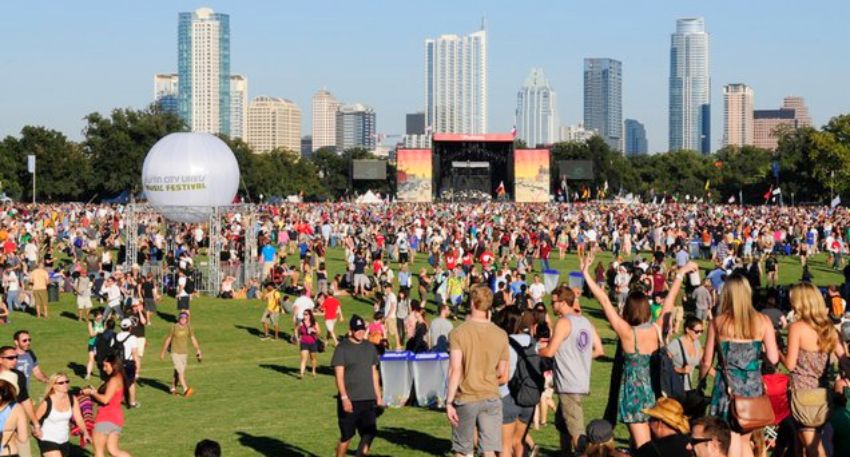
369,197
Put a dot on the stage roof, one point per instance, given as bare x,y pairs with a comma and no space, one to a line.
486,137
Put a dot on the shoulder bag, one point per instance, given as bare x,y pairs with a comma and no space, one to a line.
746,414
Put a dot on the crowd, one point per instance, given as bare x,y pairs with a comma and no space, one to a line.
511,361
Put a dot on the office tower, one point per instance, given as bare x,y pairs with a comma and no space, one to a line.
415,123
325,106
203,65
537,111
165,91
416,141
690,87
238,106
767,124
355,127
274,123
456,83
306,146
636,143
801,112
737,115
573,133
603,99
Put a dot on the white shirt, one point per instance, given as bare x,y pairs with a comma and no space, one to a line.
130,342
113,295
181,287
10,281
31,252
302,304
537,290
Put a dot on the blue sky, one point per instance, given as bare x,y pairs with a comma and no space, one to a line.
61,60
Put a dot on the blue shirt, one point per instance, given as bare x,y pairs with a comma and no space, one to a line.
716,278
516,287
682,258
268,253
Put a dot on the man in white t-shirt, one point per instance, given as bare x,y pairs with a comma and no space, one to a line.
132,361
301,304
536,290
113,298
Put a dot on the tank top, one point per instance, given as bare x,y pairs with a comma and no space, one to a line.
56,426
111,412
98,328
573,357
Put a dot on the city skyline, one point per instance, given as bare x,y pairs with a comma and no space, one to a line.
384,68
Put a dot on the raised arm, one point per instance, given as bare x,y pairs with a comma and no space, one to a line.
617,323
670,300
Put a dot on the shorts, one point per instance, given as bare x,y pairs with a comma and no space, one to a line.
363,420
487,416
40,297
360,280
270,318
571,413
179,362
310,347
392,326
107,428
330,324
83,302
49,446
403,257
140,346
130,371
150,305
512,411
183,303
702,314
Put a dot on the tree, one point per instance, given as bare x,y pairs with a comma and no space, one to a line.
117,146
62,171
280,173
744,170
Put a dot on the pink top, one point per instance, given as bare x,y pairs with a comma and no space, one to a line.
111,412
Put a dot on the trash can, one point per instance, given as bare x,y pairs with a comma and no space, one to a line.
52,292
576,280
430,378
693,249
551,279
395,373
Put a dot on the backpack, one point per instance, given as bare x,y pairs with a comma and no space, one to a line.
665,381
103,345
50,407
836,308
526,385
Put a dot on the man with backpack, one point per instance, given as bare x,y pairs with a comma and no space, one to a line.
573,345
128,344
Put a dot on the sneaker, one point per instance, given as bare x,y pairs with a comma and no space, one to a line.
189,392
173,391
135,405
264,338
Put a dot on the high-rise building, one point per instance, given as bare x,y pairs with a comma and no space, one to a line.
203,66
165,91
456,83
767,123
801,112
355,127
274,123
603,99
636,143
306,146
738,115
415,123
573,133
325,106
238,106
537,110
690,87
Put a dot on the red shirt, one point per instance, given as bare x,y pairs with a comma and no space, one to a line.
451,261
544,251
331,305
486,258
658,282
9,246
377,266
379,240
468,259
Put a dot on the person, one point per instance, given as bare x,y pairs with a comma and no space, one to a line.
132,360
55,412
271,315
573,344
536,290
710,437
686,351
639,338
390,307
150,296
39,279
109,421
207,448
478,363
13,421
812,339
600,440
27,361
704,300
333,313
8,372
308,340
95,327
12,286
355,363
299,306
113,298
515,418
771,266
82,289
184,297
178,340
438,332
740,334
670,429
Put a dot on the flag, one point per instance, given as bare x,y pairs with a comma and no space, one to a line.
768,194
585,192
513,131
732,199
718,164
606,186
835,201
688,197
707,184
777,191
500,191
654,200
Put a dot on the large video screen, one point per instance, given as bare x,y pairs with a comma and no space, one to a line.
581,170
414,175
531,175
369,170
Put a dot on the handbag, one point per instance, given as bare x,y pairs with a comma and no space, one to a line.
810,407
746,414
320,345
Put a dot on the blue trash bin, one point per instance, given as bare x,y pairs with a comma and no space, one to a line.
395,374
430,378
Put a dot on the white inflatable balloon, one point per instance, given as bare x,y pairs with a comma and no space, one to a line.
186,174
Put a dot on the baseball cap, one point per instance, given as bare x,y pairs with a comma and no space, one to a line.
356,323
600,431
126,323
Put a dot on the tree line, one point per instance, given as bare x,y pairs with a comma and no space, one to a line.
811,164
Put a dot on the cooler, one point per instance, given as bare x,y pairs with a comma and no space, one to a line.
395,373
550,280
430,378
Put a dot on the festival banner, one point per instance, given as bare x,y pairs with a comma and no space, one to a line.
414,175
531,172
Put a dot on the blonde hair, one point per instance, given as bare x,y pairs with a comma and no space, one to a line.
736,303
809,307
51,383
481,297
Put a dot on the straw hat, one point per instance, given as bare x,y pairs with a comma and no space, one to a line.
671,413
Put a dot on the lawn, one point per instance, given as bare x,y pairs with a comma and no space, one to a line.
248,397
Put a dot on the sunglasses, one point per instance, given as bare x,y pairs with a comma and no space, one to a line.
62,383
9,357
26,340
698,332
695,441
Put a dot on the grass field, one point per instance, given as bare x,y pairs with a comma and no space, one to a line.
248,397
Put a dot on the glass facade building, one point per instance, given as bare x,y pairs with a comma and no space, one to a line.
636,143
690,87
603,99
537,111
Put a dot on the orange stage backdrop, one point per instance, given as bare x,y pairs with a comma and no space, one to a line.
531,172
414,175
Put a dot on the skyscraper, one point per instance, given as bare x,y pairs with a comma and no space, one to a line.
603,99
355,127
274,123
767,124
203,66
636,143
537,110
165,91
456,83
415,123
324,119
801,112
238,106
690,87
738,115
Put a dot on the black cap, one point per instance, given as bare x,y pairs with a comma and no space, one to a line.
356,323
599,431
